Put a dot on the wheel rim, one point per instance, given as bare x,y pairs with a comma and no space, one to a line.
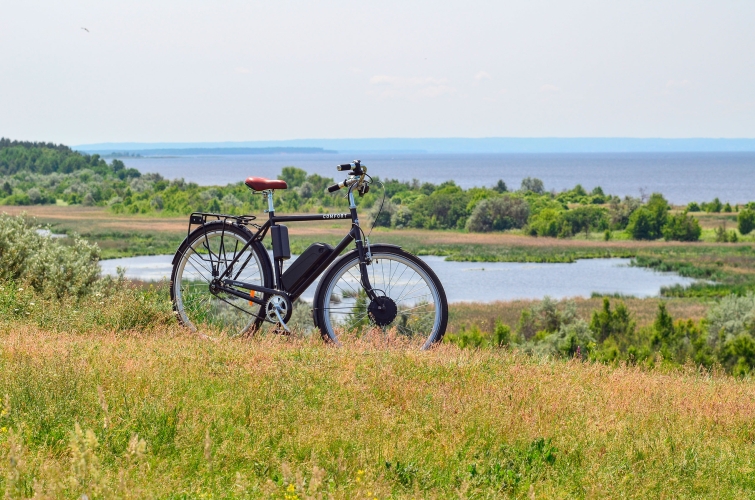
197,306
412,289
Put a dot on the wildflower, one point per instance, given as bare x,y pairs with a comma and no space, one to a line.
3,429
31,303
20,289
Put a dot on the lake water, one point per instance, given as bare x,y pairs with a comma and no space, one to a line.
488,281
681,177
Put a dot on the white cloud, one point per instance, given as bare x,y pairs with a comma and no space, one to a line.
549,88
243,71
482,75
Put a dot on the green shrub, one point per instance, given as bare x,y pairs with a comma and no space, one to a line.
724,236
714,206
547,222
647,222
682,227
44,263
532,185
498,214
583,219
545,316
693,207
746,221
445,208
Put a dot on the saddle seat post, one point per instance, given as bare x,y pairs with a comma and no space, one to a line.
268,194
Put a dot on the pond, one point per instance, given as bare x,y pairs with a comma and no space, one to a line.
486,281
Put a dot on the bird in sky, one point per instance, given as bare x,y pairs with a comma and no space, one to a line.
85,30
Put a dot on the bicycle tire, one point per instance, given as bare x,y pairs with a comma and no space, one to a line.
342,311
195,306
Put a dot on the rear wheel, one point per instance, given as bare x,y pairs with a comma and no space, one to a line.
205,254
411,302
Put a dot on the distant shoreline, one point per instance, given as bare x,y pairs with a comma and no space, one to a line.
433,145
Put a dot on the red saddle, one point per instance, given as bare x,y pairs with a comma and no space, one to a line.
262,184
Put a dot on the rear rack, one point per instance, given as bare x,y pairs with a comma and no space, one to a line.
201,218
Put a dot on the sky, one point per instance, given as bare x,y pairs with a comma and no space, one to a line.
187,71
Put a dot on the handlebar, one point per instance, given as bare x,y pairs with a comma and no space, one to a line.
356,177
336,187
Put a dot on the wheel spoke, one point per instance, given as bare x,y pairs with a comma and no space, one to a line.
421,311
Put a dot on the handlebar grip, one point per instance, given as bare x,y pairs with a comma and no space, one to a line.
334,188
344,166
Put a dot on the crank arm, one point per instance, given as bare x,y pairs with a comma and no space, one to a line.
280,319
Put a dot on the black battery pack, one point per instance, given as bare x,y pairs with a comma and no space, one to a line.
281,246
305,264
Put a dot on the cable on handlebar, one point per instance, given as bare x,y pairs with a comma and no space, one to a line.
380,210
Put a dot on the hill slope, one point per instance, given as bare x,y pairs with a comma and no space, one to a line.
172,415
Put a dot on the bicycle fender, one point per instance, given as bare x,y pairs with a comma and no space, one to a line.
348,255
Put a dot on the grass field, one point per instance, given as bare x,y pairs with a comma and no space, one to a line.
170,415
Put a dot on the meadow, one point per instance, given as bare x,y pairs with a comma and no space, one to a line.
165,414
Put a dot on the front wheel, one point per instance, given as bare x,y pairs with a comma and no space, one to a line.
410,303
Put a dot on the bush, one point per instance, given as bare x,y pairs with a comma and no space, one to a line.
619,213
693,207
724,236
647,222
746,221
382,216
545,316
714,206
583,219
50,267
445,208
682,227
545,223
402,218
499,214
532,185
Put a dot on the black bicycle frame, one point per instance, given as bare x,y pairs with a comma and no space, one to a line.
355,234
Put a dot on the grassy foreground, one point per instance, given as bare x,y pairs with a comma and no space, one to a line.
172,415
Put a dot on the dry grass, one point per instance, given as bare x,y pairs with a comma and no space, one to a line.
171,415
484,315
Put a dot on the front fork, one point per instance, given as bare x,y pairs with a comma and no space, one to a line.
363,248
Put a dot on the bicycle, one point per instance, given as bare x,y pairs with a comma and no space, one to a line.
224,278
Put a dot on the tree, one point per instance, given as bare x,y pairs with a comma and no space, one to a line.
583,219
647,222
293,176
500,186
682,227
533,185
641,225
499,214
746,221
693,207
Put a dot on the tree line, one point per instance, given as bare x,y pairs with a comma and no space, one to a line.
39,173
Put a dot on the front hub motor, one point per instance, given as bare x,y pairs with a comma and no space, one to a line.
382,311
280,304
